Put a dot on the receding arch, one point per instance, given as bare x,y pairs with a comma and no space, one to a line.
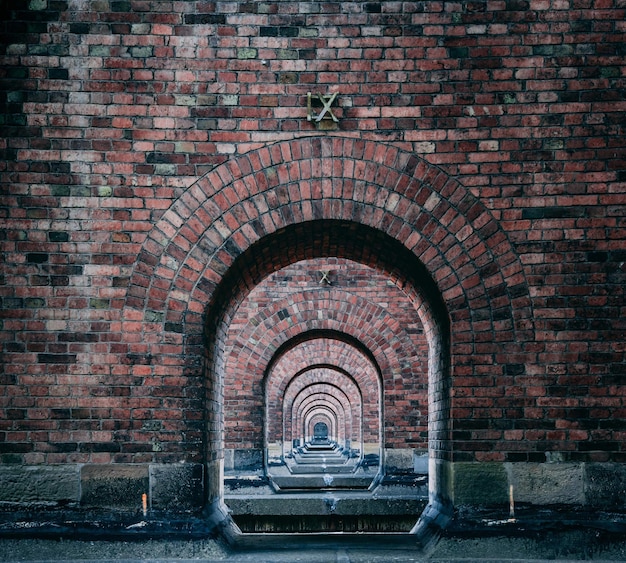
343,197
320,430
342,412
302,396
322,411
363,321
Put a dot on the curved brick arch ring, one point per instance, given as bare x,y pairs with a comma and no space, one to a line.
338,352
294,367
324,414
234,206
318,394
340,415
341,357
345,367
318,420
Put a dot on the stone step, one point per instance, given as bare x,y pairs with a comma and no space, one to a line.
325,512
301,468
316,460
322,481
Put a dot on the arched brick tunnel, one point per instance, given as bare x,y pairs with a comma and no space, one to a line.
234,268
199,263
279,305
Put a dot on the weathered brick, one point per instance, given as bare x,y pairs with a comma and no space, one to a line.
149,183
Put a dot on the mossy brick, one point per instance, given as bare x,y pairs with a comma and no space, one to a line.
458,52
230,99
121,6
141,52
79,28
166,169
58,73
207,99
175,327
309,32
206,124
99,303
140,28
56,358
39,280
288,78
247,53
100,51
80,191
37,257
205,19
610,72
553,50
553,144
154,316
58,236
60,191
185,100
59,281
287,54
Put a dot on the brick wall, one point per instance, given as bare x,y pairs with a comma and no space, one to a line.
158,164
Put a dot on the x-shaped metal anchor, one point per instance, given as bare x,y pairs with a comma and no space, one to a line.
325,276
327,101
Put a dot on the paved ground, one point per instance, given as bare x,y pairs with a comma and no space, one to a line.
33,550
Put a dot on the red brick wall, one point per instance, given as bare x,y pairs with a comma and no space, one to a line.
149,145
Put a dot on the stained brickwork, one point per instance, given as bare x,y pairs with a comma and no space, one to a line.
158,166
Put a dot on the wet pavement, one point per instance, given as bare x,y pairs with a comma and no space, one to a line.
212,551
532,537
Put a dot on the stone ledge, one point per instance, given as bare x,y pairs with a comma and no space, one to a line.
45,484
539,484
173,488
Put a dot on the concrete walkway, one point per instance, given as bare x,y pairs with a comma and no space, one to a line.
209,551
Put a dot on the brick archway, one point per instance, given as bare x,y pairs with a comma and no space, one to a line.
322,381
283,321
452,234
346,366
323,395
364,200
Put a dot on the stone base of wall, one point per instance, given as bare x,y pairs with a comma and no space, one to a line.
243,460
406,460
168,488
593,485
180,488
